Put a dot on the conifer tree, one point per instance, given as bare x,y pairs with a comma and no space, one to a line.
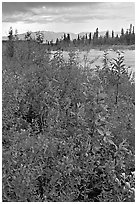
39,37
28,36
122,32
10,36
57,41
78,37
89,38
16,34
133,32
68,37
64,37
107,34
97,33
112,34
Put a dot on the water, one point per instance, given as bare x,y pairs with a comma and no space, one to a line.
97,57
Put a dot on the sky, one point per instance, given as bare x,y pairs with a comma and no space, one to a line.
72,17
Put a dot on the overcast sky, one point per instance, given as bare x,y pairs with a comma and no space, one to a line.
67,16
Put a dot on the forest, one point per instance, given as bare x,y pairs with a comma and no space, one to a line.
84,42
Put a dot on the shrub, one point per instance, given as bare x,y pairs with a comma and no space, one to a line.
61,136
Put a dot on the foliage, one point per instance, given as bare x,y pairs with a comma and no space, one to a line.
87,41
39,37
28,35
64,137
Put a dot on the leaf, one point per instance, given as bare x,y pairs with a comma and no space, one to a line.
123,145
55,178
105,139
127,184
123,148
96,148
100,132
123,175
102,95
103,119
108,133
111,142
117,180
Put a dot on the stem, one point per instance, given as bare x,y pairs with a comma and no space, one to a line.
117,94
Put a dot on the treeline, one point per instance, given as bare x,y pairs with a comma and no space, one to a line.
125,38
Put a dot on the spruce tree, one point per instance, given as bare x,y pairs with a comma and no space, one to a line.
122,32
97,33
112,34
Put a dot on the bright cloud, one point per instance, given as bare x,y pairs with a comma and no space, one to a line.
67,17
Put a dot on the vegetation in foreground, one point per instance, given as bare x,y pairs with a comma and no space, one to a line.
68,129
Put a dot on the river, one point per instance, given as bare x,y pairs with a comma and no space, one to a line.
97,57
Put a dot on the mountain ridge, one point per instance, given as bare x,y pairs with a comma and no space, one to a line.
51,35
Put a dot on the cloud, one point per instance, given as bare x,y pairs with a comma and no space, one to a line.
67,13
68,17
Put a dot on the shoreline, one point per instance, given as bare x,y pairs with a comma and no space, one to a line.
109,47
97,47
116,47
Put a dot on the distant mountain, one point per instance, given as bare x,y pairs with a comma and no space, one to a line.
49,35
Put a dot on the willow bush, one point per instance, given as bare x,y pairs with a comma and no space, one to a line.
64,136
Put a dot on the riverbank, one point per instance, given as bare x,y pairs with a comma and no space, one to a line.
84,48
108,47
115,47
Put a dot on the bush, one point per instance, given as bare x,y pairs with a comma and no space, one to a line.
61,137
